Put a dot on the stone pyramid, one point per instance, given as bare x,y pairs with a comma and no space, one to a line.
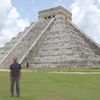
52,41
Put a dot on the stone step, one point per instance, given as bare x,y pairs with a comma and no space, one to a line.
26,42
9,45
62,44
59,58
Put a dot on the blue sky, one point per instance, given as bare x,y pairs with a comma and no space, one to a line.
15,15
28,9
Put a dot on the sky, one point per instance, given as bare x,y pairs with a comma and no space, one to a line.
15,15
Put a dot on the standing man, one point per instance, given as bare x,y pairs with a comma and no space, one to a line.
15,74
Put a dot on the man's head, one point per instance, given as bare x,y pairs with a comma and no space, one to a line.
15,60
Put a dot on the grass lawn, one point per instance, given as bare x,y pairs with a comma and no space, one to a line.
66,69
41,85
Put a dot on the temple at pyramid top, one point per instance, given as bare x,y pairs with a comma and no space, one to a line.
54,12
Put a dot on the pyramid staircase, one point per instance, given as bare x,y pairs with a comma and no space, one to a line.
20,45
9,45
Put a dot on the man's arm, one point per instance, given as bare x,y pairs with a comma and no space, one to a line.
10,71
20,71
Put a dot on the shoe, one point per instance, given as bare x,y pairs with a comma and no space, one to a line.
17,95
12,95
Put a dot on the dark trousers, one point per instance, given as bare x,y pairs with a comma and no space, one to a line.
13,81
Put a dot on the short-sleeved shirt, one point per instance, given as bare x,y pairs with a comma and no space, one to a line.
15,68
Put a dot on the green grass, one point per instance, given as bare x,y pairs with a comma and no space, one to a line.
41,85
65,69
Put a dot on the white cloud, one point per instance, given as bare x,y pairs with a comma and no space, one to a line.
98,0
6,5
4,8
13,14
10,21
98,3
87,16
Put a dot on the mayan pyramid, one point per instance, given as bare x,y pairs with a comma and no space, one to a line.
52,41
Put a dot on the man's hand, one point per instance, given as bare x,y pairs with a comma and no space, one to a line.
19,77
10,77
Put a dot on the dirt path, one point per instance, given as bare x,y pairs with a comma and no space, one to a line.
7,70
75,72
